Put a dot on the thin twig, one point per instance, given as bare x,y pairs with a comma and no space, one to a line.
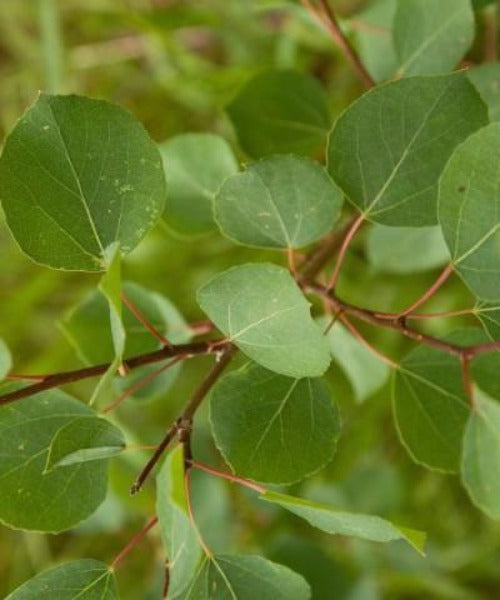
183,424
245,482
143,320
343,250
444,275
57,379
141,383
356,333
325,14
399,324
133,543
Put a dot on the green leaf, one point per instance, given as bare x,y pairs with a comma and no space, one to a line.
388,149
431,407
481,455
489,315
280,111
76,175
431,37
179,538
367,527
430,404
85,579
111,287
84,439
366,373
486,79
262,310
195,165
469,208
373,31
30,498
402,250
278,202
273,428
5,359
89,320
225,577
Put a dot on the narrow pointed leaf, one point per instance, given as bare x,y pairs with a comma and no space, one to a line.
280,111
432,37
481,455
195,165
388,149
401,250
30,498
273,428
84,439
77,175
367,527
261,309
226,577
179,538
5,359
85,579
111,286
469,211
278,202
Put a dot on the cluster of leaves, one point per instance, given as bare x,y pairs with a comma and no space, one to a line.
81,184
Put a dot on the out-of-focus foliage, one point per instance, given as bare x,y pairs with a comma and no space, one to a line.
175,65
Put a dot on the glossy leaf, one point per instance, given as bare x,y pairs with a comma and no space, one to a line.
85,579
367,527
273,428
481,454
389,171
76,175
469,208
280,111
486,79
402,250
29,497
278,202
373,31
431,37
262,310
89,320
366,373
84,439
179,538
5,359
225,577
195,165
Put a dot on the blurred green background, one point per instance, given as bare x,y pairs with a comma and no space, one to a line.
175,65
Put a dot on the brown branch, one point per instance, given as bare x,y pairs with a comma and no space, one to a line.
399,324
143,320
233,478
346,242
133,543
183,424
325,14
317,259
58,379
